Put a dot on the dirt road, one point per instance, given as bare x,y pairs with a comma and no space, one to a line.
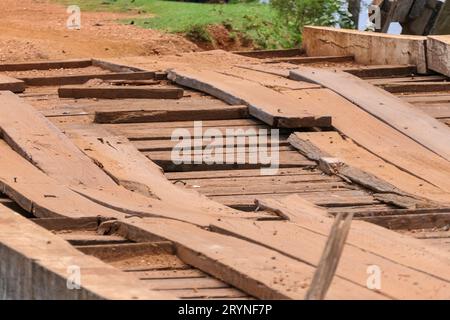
36,29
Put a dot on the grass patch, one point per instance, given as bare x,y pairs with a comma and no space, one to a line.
252,20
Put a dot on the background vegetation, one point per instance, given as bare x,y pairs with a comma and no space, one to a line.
266,26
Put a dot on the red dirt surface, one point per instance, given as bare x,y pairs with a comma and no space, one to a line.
36,30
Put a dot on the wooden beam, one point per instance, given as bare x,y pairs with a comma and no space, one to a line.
79,79
46,65
39,141
420,127
255,272
377,137
263,54
11,84
114,92
265,104
365,168
309,60
179,113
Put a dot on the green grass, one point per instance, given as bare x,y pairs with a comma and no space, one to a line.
254,21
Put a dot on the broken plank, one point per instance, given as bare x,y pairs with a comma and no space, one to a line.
173,114
41,195
371,238
289,239
255,272
39,141
39,261
11,84
394,180
79,79
135,172
377,137
265,104
400,115
115,92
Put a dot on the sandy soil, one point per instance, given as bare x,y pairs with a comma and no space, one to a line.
36,30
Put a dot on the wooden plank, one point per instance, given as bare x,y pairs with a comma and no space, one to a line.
286,159
41,195
378,138
289,239
132,170
114,67
435,110
235,174
39,141
91,239
351,154
114,92
58,224
165,134
173,114
263,54
38,259
270,81
310,60
415,124
369,237
222,293
46,65
244,141
185,283
113,252
265,104
405,87
79,79
255,272
411,222
379,71
11,84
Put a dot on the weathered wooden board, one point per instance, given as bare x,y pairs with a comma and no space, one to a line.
398,114
79,79
11,84
377,137
41,195
115,92
45,65
179,113
35,263
255,271
310,60
438,54
135,172
265,104
366,47
385,243
289,239
39,141
350,153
